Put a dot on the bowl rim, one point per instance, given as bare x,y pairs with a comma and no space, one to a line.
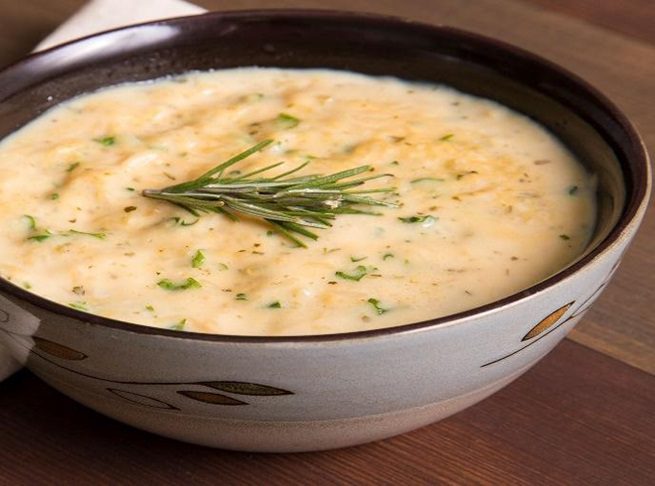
632,212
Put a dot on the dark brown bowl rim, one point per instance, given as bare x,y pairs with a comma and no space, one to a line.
636,145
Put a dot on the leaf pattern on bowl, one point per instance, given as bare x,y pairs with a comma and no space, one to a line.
46,350
547,322
140,399
553,320
540,330
211,398
58,350
243,388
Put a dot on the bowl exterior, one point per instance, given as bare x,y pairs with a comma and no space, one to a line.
300,395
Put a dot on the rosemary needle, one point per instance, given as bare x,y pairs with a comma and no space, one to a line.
289,203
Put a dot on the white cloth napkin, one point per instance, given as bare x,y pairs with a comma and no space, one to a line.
96,16
99,15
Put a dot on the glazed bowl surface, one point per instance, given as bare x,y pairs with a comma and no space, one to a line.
319,392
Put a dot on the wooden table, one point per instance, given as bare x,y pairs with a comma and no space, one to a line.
585,414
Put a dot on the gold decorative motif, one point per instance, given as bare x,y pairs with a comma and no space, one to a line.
58,350
211,398
547,322
543,328
243,388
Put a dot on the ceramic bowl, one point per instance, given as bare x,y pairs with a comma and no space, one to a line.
321,392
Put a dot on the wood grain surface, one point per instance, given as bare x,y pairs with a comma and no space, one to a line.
558,424
584,415
633,18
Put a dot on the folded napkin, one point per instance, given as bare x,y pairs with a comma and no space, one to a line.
99,15
96,16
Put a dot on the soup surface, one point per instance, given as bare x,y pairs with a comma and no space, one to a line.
489,203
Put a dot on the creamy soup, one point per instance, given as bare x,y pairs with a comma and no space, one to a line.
488,203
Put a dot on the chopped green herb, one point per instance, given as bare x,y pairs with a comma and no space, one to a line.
179,326
107,141
40,237
447,137
275,305
395,162
376,305
573,190
129,209
241,296
180,222
54,196
418,219
79,305
565,237
131,189
150,308
31,222
73,166
198,259
45,234
27,285
357,259
286,121
71,232
79,290
386,256
357,274
426,179
189,283
270,233
223,266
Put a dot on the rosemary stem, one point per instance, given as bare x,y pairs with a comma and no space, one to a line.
289,204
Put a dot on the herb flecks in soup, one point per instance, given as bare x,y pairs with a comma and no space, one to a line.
489,203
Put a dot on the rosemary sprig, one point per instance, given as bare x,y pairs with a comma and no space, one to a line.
291,204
